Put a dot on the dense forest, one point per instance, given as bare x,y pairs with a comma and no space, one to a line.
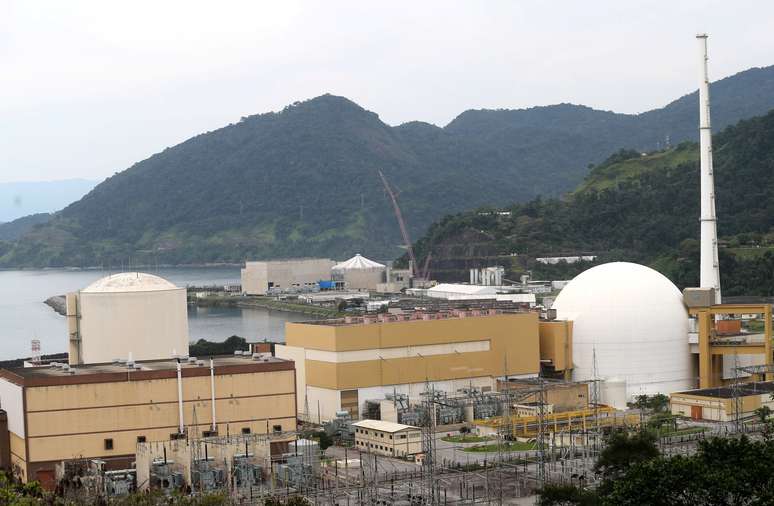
303,181
635,207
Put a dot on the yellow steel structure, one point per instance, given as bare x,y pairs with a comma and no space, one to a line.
583,419
709,351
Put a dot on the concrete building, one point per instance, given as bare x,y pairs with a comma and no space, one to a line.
387,438
565,396
359,273
340,364
128,315
719,404
57,413
629,323
303,274
396,281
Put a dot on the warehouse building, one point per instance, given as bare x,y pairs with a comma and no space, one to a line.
57,413
303,274
719,404
387,438
341,364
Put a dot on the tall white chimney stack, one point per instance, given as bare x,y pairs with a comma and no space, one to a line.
709,268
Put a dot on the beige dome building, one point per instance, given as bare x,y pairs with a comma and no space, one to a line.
359,273
131,314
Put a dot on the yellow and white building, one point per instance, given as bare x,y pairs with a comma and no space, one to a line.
719,404
104,410
342,363
387,438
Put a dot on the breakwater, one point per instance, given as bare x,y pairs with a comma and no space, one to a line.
57,303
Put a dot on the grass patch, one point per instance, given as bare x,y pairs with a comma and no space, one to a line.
681,432
466,439
510,446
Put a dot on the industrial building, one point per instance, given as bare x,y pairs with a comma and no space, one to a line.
453,291
130,315
719,404
303,274
359,273
629,325
396,280
58,412
565,396
387,438
342,364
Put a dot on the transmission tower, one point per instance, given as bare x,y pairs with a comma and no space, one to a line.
541,439
428,443
595,394
735,393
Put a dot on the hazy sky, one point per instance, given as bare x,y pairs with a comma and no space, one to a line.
89,88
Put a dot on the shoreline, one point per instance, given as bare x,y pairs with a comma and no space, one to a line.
264,303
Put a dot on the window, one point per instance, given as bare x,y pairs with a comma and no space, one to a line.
140,439
276,428
245,430
108,444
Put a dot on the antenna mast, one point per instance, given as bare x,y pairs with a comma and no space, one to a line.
709,268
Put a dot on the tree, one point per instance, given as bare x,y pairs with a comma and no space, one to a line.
324,439
723,471
566,495
624,450
763,413
658,403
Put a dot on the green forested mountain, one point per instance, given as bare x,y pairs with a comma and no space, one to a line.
13,230
303,181
635,207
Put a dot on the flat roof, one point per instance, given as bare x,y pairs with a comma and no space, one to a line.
743,390
416,316
383,426
148,369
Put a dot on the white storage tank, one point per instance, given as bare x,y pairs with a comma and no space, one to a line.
613,392
634,318
128,314
359,273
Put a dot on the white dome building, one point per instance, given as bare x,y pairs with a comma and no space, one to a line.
635,320
359,273
128,314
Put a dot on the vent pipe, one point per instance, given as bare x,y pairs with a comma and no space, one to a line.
181,427
709,268
212,391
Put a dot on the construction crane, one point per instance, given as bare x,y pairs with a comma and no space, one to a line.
403,230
